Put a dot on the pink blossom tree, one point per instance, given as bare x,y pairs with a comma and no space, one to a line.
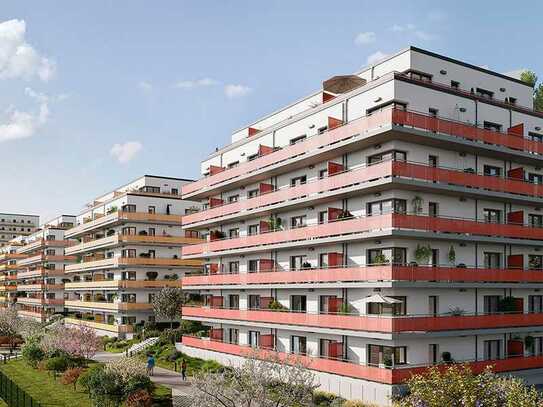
79,342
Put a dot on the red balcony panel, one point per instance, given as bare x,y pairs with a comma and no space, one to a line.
376,120
251,131
213,268
264,226
334,168
216,301
516,173
214,170
515,261
519,305
214,202
264,150
517,131
334,304
516,218
342,180
266,265
326,97
335,259
192,234
334,123
334,213
515,348
335,350
267,341
216,334
265,302
265,188
323,365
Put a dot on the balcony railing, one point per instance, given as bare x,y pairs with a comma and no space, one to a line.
119,284
132,261
395,375
44,243
114,306
370,323
357,128
100,325
391,272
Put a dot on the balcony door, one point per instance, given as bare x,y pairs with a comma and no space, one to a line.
254,339
298,345
492,349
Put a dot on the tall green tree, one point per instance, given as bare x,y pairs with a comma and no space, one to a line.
530,78
167,304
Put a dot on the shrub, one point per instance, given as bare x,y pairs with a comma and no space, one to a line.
137,383
32,353
86,377
57,364
152,333
174,355
323,398
42,365
140,398
355,403
71,376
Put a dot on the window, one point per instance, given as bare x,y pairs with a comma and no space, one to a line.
298,221
233,267
399,255
435,257
296,140
323,260
233,164
492,215
535,262
252,266
535,136
254,301
297,262
324,303
233,198
50,252
323,217
492,126
128,253
374,256
433,353
233,233
253,230
151,209
147,188
535,178
323,173
492,171
433,112
492,349
535,303
491,304
455,85
387,105
233,335
484,93
420,76
433,209
324,347
387,206
388,155
254,339
298,345
377,308
131,298
128,208
535,221
512,100
128,231
433,161
252,193
175,191
433,305
233,301
128,275
298,303
252,157
492,260
151,231
298,180
386,355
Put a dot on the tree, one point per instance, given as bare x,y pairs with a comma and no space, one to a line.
457,385
78,342
263,380
530,78
10,325
167,303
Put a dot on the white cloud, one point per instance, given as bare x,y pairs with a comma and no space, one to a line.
234,91
376,57
126,151
18,59
365,38
19,124
412,29
145,86
196,83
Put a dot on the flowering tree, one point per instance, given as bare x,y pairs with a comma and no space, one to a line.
262,380
457,385
10,324
167,303
79,342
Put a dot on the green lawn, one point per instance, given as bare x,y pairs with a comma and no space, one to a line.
50,392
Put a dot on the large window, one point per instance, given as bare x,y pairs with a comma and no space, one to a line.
492,215
254,301
493,260
535,221
254,339
386,206
298,221
298,345
233,267
297,262
378,308
535,303
387,155
233,301
298,303
233,335
492,349
386,355
491,304
492,171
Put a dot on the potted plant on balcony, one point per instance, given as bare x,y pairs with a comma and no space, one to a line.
112,209
416,203
142,233
345,309
507,305
380,260
529,342
275,223
275,305
216,235
469,170
151,275
306,265
446,357
387,361
344,215
452,255
423,254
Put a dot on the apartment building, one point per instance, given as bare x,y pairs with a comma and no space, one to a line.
129,247
8,272
385,223
13,225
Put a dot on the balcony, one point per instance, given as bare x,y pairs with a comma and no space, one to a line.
39,287
116,262
43,244
122,284
369,323
119,239
11,256
356,228
40,301
44,258
39,272
366,273
112,306
100,325
120,217
37,315
396,375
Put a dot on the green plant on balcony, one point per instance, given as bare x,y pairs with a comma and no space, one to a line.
145,255
151,275
416,203
275,223
344,215
216,235
142,233
457,311
275,305
380,259
112,209
87,219
423,253
345,308
306,265
452,255
507,305
387,361
529,342
534,263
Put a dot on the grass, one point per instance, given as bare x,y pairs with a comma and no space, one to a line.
116,346
43,387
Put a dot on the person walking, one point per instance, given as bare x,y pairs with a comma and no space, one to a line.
150,364
184,370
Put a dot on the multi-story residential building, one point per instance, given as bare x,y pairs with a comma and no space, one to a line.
389,221
40,271
13,225
8,272
129,248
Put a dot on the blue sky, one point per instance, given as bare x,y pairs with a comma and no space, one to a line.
174,78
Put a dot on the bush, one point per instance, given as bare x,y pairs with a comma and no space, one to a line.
86,377
325,399
355,403
152,333
140,398
57,364
137,383
71,376
174,355
32,353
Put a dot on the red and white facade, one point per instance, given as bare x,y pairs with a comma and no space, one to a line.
397,222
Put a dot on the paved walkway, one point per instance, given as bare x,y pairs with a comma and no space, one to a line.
181,391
